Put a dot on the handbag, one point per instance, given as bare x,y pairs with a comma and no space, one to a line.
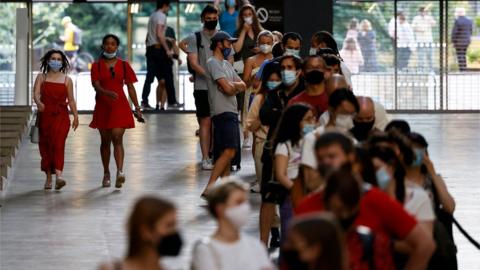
275,192
34,130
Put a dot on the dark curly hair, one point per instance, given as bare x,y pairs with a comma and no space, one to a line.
44,61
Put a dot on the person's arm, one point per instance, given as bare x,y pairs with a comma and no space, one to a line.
421,246
247,70
237,46
253,120
445,198
455,32
163,39
281,166
37,93
133,96
72,104
193,60
231,88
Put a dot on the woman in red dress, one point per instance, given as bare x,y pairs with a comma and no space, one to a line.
53,94
112,114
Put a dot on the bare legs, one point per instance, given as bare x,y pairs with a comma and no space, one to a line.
221,168
161,94
115,137
267,216
205,124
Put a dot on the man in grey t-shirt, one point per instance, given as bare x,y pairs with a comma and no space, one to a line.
197,58
223,84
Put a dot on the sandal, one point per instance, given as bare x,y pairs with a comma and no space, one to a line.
48,185
60,183
106,181
120,179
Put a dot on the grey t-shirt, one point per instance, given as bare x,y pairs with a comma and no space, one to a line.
158,17
203,54
219,101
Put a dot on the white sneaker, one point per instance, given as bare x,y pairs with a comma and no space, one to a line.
207,165
247,143
255,188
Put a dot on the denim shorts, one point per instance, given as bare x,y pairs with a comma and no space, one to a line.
226,133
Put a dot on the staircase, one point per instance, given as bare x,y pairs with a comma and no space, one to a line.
13,125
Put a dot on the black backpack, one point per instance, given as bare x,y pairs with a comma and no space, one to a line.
198,40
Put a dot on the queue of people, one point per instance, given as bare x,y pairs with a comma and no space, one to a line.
341,186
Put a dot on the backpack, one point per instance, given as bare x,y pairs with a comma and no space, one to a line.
198,40
77,36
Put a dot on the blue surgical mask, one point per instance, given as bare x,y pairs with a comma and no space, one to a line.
292,52
289,77
419,154
110,55
226,52
307,128
383,178
55,65
272,84
231,3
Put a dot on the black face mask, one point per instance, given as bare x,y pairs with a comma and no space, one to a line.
314,77
170,245
292,260
210,25
361,129
346,223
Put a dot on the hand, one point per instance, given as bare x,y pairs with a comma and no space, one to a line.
246,27
75,123
429,164
180,61
191,79
138,111
111,94
41,107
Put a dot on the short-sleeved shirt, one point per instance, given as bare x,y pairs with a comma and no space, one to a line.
294,155
308,148
203,54
417,202
228,22
319,103
219,101
157,18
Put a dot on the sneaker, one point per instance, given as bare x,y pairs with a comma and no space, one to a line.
175,105
247,143
120,179
157,108
255,188
207,165
146,106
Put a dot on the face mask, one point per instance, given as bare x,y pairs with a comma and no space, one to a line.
248,20
293,261
226,52
272,84
110,55
265,48
238,215
289,77
383,178
55,65
314,77
344,121
361,129
307,128
292,52
419,154
231,3
210,25
346,223
313,51
170,245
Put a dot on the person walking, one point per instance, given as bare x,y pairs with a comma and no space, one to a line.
53,94
461,36
367,40
159,56
422,25
112,113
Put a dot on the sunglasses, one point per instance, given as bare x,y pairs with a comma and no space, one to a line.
112,72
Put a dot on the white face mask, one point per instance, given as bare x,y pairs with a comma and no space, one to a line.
344,121
313,51
238,215
248,20
265,48
292,52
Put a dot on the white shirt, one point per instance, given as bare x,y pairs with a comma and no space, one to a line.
308,148
422,26
381,117
294,155
157,18
246,253
417,203
404,36
346,73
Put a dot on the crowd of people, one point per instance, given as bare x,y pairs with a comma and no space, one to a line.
341,186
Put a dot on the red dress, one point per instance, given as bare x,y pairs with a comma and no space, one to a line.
54,124
109,113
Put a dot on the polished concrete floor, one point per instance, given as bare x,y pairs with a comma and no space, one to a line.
83,224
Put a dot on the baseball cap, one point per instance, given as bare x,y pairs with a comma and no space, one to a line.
221,36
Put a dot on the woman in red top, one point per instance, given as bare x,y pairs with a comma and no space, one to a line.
112,114
53,94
